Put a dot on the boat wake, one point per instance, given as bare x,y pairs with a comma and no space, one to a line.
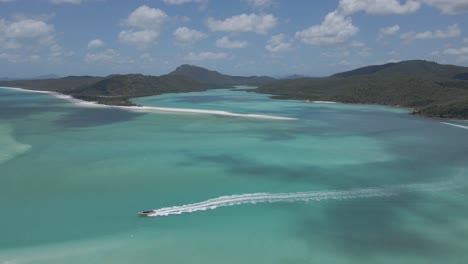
455,125
254,198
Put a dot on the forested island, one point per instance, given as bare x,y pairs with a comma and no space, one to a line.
429,88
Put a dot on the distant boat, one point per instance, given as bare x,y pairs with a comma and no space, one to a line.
147,212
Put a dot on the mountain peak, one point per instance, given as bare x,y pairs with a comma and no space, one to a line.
215,78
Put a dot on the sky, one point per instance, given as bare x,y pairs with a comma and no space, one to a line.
237,37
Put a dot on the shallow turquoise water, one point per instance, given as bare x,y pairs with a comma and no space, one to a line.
72,179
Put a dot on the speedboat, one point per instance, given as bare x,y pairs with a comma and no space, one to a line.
146,213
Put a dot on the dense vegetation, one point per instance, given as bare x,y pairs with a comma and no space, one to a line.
118,89
217,79
429,88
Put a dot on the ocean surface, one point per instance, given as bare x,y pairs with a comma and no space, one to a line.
336,184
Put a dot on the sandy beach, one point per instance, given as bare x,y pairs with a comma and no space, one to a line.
152,109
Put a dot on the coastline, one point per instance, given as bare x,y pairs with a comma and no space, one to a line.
151,109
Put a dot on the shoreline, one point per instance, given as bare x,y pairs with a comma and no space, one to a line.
151,109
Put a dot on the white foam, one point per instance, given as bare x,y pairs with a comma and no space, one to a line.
455,125
255,198
153,109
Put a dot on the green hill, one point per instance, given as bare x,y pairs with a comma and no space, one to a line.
117,89
62,85
217,79
429,88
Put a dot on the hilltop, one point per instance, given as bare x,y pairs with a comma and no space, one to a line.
431,89
215,78
118,89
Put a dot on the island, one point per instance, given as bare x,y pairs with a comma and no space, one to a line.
428,88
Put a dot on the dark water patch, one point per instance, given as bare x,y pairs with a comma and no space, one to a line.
364,228
22,111
346,176
88,117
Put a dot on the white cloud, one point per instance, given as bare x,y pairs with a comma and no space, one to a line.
378,7
106,56
207,55
180,2
465,40
65,1
259,24
186,36
357,44
451,7
386,31
337,54
203,3
18,58
460,53
145,23
140,39
335,29
28,36
278,43
227,43
393,53
450,32
365,52
147,58
260,3
95,43
145,17
456,52
392,30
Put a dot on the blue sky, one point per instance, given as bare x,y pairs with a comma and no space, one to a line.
238,37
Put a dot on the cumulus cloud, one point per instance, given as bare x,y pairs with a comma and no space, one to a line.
335,29
386,31
140,38
206,55
106,56
260,3
19,58
186,36
460,53
378,7
95,43
203,3
145,17
451,32
259,24
26,36
145,26
65,1
227,43
357,44
337,26
278,43
451,7
456,52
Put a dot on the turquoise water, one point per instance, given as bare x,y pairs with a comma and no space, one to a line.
72,179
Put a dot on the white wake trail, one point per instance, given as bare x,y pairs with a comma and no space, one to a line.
254,198
455,125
